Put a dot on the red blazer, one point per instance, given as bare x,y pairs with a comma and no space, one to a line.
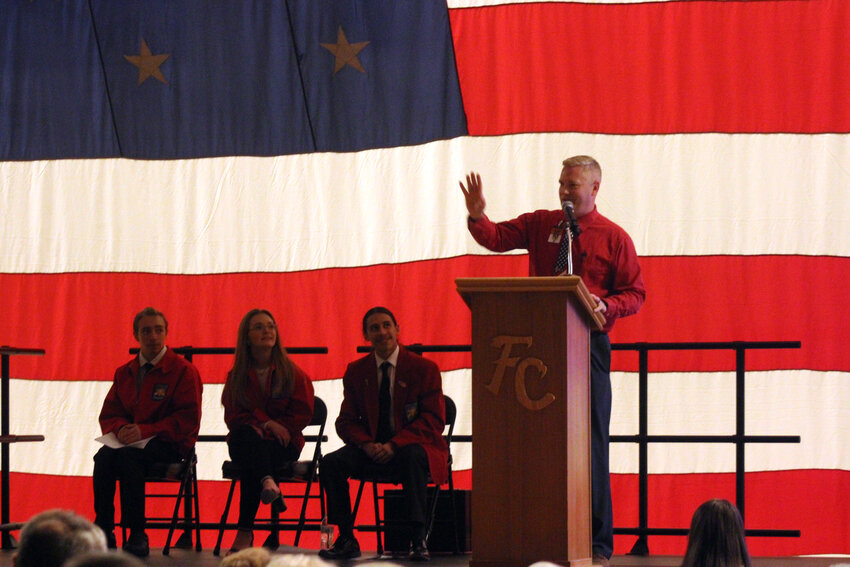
294,412
168,406
419,409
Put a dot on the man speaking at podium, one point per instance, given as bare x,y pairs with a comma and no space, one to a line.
603,255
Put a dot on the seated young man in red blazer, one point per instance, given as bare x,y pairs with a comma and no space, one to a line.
155,396
407,437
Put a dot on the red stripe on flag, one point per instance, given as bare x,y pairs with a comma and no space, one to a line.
84,320
742,298
773,66
797,500
805,500
776,500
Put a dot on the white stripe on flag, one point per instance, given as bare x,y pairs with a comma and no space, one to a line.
805,403
748,194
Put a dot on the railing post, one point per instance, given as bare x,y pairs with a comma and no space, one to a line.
7,541
740,444
641,546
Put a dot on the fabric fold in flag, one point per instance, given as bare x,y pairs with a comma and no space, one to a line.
188,81
165,80
53,100
378,73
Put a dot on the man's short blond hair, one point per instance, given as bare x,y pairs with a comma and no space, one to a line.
586,162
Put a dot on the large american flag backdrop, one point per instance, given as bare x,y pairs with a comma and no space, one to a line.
304,156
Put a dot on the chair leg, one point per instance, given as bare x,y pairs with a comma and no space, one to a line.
380,547
454,513
198,546
175,516
302,518
223,522
432,513
322,509
357,500
380,542
189,497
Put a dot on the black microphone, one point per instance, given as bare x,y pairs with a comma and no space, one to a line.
571,217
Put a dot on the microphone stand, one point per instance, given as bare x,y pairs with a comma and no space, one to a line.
572,230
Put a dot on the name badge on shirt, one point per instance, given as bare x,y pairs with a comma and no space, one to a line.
556,235
159,392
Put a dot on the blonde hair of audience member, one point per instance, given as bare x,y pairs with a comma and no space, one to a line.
716,537
104,559
248,557
50,538
304,560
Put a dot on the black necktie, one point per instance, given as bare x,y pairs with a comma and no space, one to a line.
385,413
563,252
143,371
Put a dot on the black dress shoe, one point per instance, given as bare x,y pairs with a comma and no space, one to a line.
137,544
345,547
419,551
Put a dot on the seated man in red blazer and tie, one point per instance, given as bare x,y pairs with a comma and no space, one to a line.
392,415
154,397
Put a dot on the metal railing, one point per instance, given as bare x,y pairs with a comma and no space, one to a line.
740,439
6,352
643,439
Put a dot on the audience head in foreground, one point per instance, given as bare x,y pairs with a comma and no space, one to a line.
716,537
248,557
50,538
261,557
104,559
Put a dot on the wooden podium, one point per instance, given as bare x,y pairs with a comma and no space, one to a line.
530,419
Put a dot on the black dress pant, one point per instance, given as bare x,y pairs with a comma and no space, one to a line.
257,458
600,421
410,465
126,465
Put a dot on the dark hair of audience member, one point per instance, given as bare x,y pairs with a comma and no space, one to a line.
50,538
716,537
104,559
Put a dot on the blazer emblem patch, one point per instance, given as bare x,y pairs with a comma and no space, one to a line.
411,412
159,392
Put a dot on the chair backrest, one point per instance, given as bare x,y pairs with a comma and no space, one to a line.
320,419
320,413
451,416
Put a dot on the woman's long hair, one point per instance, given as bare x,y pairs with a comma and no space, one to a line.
716,537
236,388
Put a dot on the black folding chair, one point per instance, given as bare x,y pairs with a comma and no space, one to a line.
379,475
300,473
185,474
